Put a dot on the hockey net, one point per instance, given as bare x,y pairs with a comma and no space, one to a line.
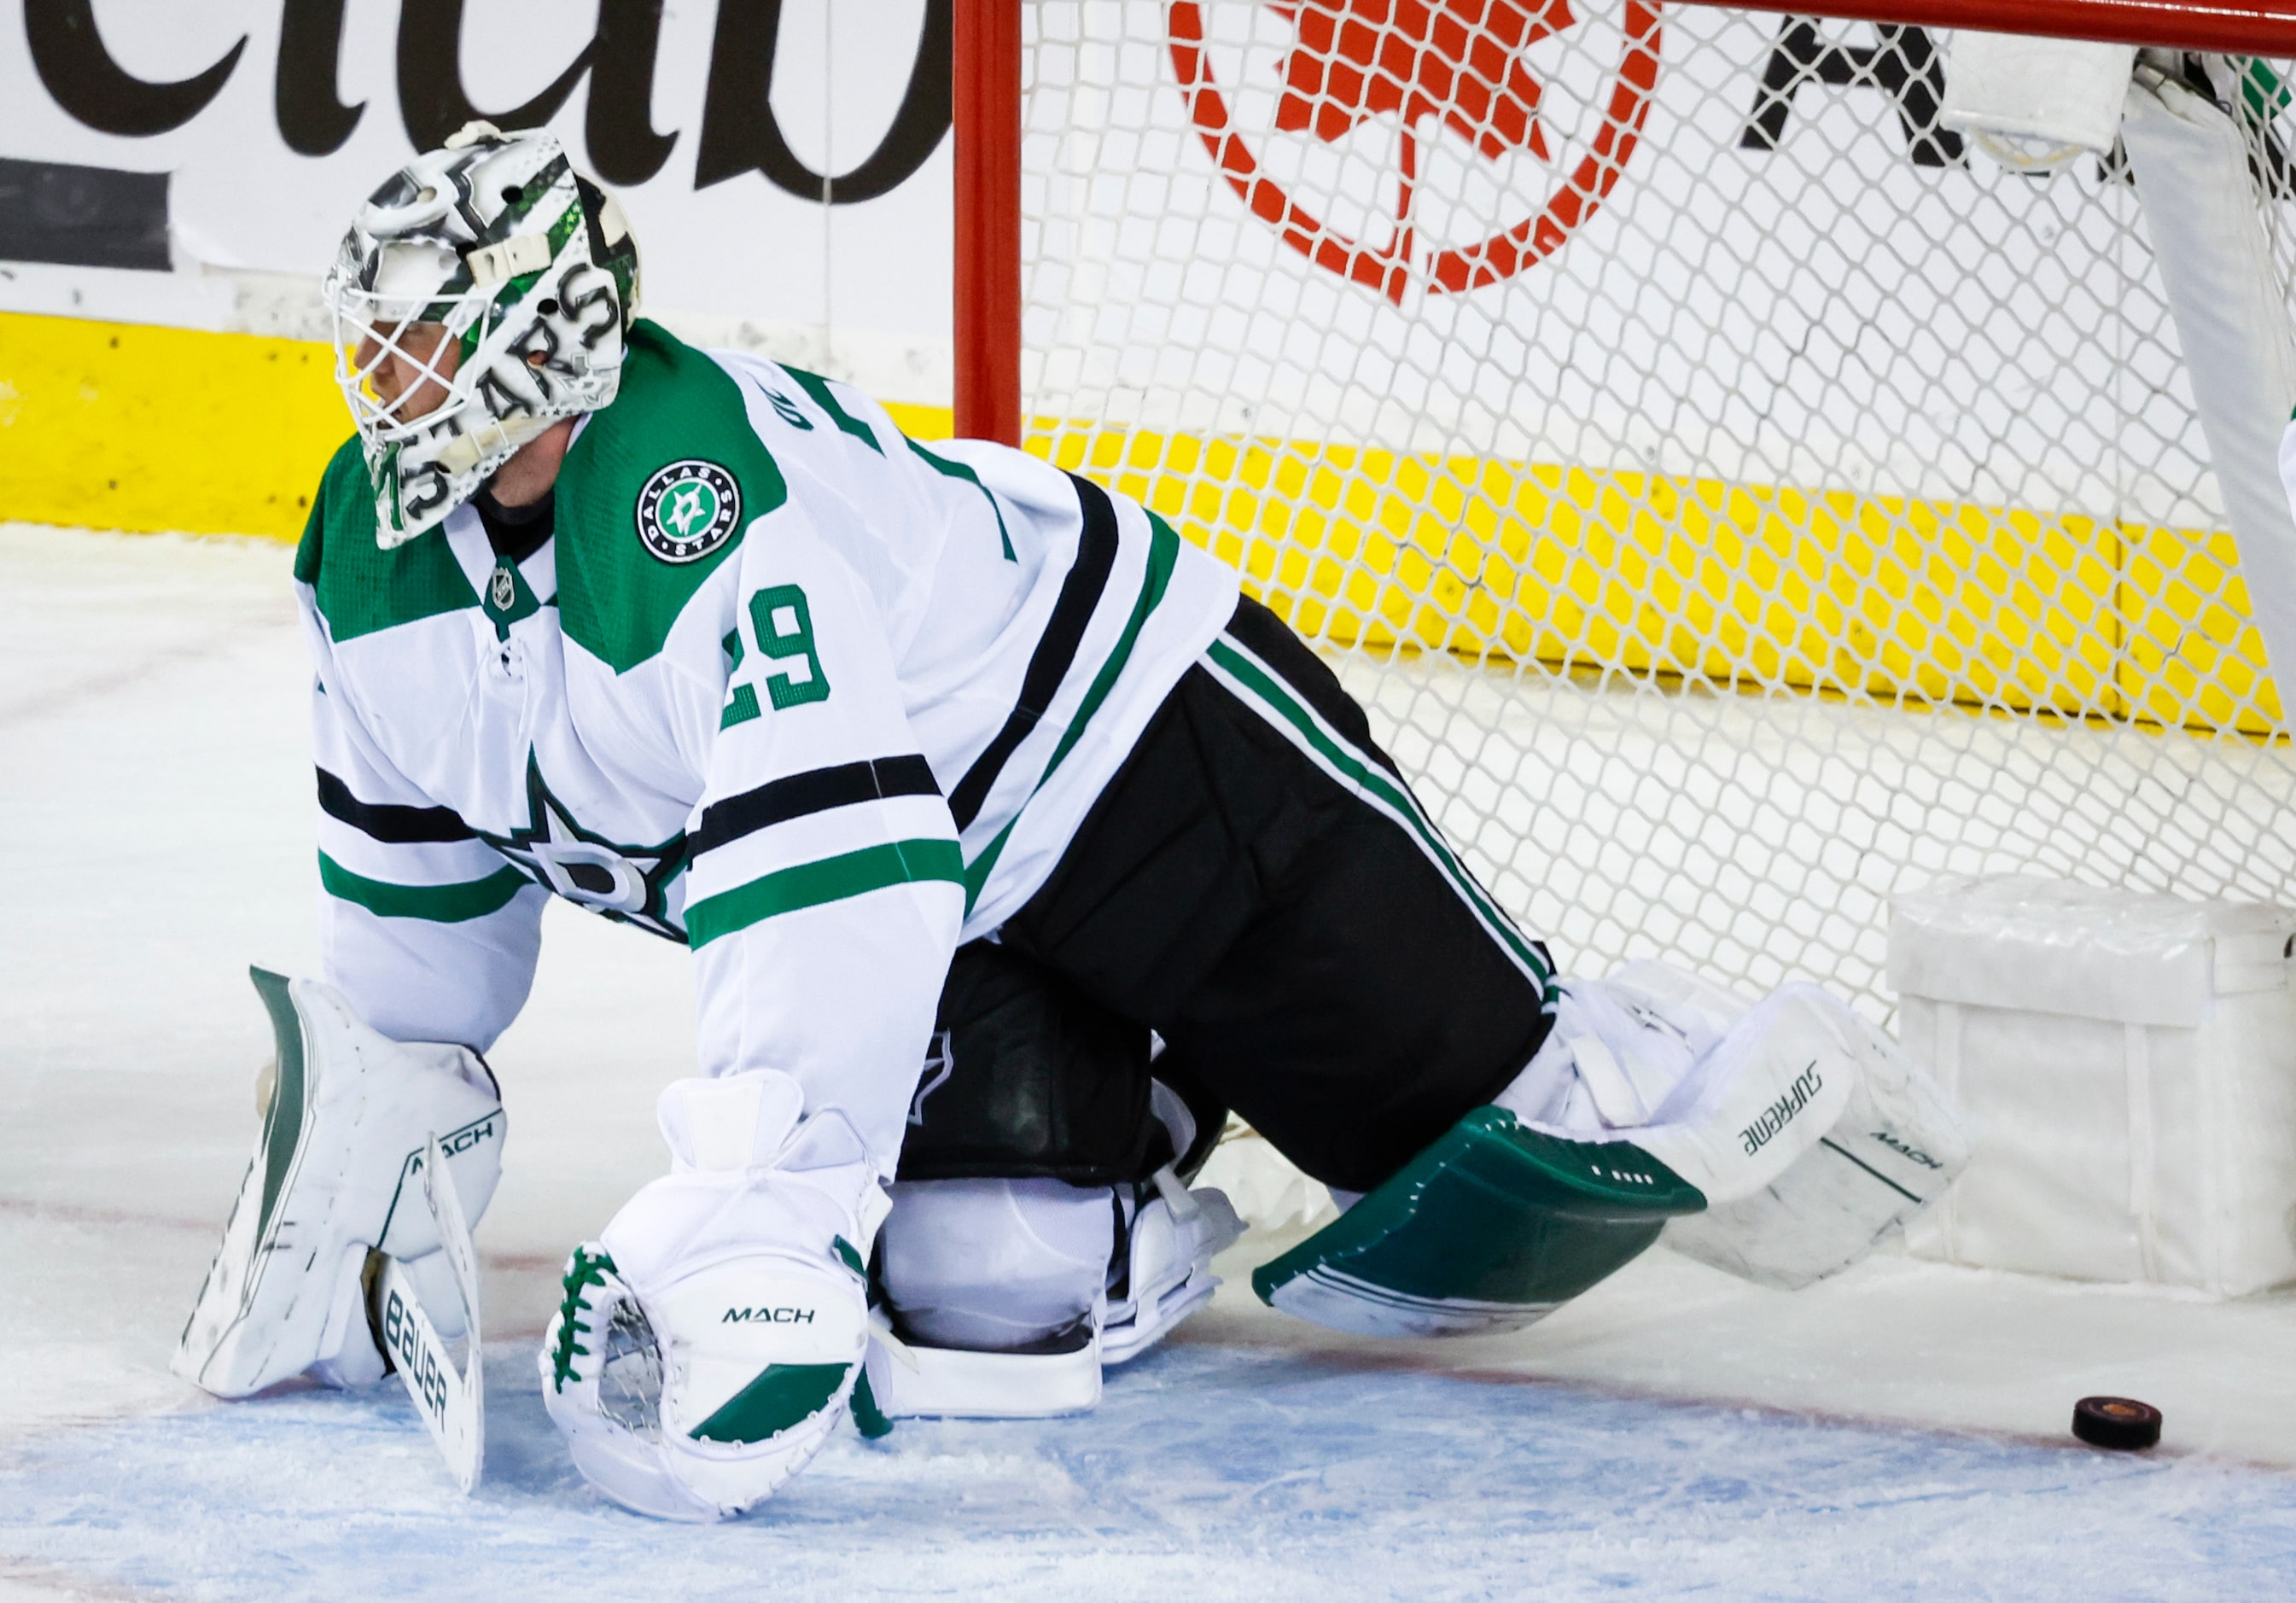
1735,498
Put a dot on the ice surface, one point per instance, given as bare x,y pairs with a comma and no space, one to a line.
1206,1471
1899,1432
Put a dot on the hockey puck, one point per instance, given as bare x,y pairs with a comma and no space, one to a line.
2121,1423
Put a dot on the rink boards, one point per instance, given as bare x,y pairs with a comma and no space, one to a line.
140,427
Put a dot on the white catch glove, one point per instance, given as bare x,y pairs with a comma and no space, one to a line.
708,1344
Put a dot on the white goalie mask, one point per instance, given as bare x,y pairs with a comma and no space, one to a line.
481,295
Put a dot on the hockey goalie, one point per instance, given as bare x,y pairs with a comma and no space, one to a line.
1015,850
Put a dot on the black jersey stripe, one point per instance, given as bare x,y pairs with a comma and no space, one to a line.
390,822
1057,649
817,790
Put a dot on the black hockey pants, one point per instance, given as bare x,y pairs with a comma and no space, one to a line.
1257,885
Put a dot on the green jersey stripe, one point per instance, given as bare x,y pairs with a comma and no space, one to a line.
818,387
947,469
1382,789
830,879
441,904
1163,557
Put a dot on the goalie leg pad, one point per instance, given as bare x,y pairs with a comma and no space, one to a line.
1896,1147
995,1265
1810,1132
1490,1229
334,1177
1765,1094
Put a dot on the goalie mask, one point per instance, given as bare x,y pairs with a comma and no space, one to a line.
481,295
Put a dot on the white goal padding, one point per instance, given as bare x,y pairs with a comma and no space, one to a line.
2128,1066
2063,95
2232,317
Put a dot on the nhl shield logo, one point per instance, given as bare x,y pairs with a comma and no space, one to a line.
1380,83
688,509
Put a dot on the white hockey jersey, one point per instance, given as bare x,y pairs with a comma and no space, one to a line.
782,685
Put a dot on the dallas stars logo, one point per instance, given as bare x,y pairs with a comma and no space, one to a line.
688,509
629,885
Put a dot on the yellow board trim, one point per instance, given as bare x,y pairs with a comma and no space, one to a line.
1916,603
123,425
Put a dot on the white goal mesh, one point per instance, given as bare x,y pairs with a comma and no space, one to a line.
1735,499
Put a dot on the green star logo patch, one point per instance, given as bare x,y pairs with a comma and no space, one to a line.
688,509
629,885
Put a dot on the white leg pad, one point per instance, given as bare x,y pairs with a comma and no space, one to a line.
334,1177
911,1382
1773,1086
1896,1147
1809,1134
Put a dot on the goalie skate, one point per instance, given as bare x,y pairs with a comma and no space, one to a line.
349,1117
1168,1271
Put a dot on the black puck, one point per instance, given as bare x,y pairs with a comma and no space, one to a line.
2121,1423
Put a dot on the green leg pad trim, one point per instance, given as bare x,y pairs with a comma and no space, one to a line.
1490,1229
282,1121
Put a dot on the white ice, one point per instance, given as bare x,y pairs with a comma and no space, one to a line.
1898,1432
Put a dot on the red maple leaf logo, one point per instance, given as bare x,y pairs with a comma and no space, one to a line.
1461,60
1458,59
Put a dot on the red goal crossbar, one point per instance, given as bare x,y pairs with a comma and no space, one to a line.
986,104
